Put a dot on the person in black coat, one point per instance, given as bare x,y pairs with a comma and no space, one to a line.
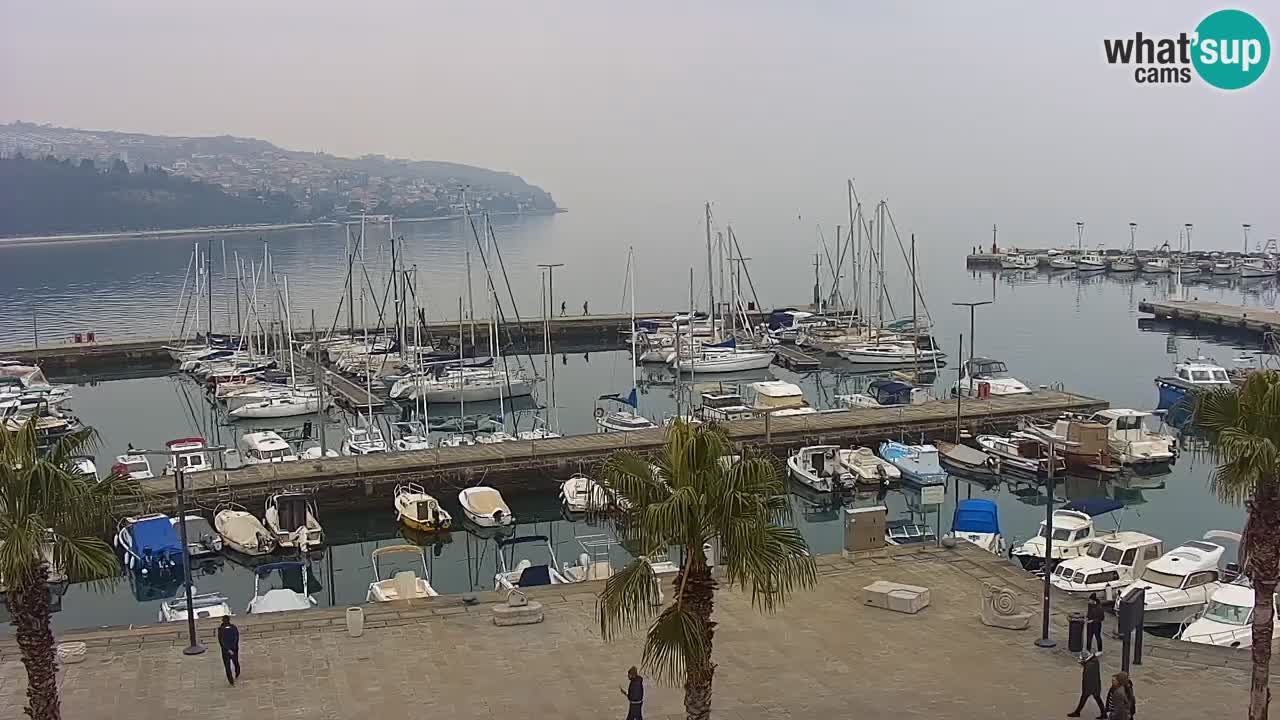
1122,704
229,641
1093,622
1090,685
634,694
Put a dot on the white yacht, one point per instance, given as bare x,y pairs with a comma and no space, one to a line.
403,585
1227,619
1109,562
1018,261
288,405
283,598
187,455
291,516
819,468
133,466
265,447
1180,582
1131,442
723,362
1072,532
1063,262
205,605
525,573
364,440
867,468
889,353
485,507
982,372
581,494
241,531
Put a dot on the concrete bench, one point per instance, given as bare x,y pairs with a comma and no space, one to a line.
898,597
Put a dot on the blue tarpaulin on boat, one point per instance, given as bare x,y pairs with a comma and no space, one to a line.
157,535
730,343
628,400
976,515
1094,506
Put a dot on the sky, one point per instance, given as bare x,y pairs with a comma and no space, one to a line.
960,114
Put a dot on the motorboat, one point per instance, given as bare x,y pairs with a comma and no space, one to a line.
1225,266
133,466
1189,377
723,407
1063,262
410,435
968,462
1092,262
485,507
1187,267
205,605
241,531
291,405
977,521
1156,266
264,447
202,539
150,545
918,464
909,532
1109,563
771,395
291,517
187,455
1227,619
417,509
818,467
622,420
1018,261
886,393
284,598
1180,582
581,494
364,440
896,353
493,437
868,469
84,465
1072,531
512,575
1124,264
1256,268
404,584
1131,442
984,375
1020,451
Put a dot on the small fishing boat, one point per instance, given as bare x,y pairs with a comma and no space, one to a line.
1020,451
187,455
133,466
418,510
968,462
909,532
1156,266
202,539
918,464
993,375
1018,261
410,435
1256,268
205,605
1124,264
977,521
1189,377
265,447
1062,262
1092,262
581,494
291,517
485,507
241,531
1225,267
403,585
283,598
866,468
150,545
525,573
1131,442
1073,530
1108,563
364,440
818,467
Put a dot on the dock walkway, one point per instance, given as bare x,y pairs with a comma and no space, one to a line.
1237,317
793,359
345,391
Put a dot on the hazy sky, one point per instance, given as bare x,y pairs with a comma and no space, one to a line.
962,114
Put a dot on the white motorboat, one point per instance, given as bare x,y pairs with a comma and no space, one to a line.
525,573
1156,266
897,353
723,362
1109,563
624,419
1227,619
1190,376
886,393
292,519
1180,582
1062,262
150,545
977,521
722,407
135,467
241,531
364,440
771,395
982,372
1091,262
485,507
187,455
581,494
279,407
493,437
1018,261
867,468
1131,442
1020,451
404,584
819,468
1225,266
284,598
265,447
1073,530
410,435
417,509
85,466
202,539
1124,264
205,605
1186,267
1256,268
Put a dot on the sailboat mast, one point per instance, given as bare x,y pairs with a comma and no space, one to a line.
471,309
288,328
711,288
208,288
915,353
631,269
462,398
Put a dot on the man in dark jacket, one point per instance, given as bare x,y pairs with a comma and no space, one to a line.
634,694
229,641
1093,622
1090,685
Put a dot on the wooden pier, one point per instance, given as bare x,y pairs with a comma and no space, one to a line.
1254,320
343,390
792,359
535,465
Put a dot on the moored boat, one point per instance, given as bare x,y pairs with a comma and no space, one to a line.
417,509
485,507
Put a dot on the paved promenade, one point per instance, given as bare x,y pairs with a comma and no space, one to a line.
823,656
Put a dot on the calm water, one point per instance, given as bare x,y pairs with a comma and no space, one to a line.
1082,332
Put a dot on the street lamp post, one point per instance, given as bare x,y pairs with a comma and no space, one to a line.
1053,440
179,483
971,306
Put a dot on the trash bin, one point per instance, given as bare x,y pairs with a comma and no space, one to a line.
355,621
1075,633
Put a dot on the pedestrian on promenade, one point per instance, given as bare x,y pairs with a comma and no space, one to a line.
1121,702
562,308
229,641
634,694
1093,622
1090,685
584,307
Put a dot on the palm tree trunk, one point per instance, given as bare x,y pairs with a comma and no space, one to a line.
29,607
1263,544
699,595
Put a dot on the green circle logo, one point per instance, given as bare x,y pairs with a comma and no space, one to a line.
1232,49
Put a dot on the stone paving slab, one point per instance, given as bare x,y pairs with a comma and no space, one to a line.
823,656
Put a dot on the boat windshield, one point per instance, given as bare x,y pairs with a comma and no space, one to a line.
1229,614
1129,422
133,466
994,369
1108,553
189,461
1169,580
1220,376
1059,534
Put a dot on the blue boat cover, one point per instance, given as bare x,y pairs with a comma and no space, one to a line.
730,343
630,399
1094,506
157,535
282,566
976,515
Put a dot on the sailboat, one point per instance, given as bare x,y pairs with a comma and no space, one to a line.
622,419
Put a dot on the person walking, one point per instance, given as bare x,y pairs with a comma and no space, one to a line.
1090,685
584,307
634,694
1121,703
229,641
1093,622
563,305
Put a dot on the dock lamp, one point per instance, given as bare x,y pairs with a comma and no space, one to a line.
179,484
1053,440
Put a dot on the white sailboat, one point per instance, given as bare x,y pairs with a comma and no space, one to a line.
624,420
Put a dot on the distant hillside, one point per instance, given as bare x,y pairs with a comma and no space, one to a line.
51,196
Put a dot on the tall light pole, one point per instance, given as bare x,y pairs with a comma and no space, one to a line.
971,306
1245,227
551,311
1053,441
179,483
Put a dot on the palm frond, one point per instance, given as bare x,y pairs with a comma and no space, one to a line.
630,476
626,602
675,641
773,561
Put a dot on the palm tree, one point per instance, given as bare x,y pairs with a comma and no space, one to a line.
690,495
1243,430
50,515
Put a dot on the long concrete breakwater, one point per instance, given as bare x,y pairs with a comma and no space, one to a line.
536,465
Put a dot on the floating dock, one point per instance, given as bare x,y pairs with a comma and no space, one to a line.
795,360
1235,317
534,465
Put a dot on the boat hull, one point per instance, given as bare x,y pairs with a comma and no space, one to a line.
482,393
